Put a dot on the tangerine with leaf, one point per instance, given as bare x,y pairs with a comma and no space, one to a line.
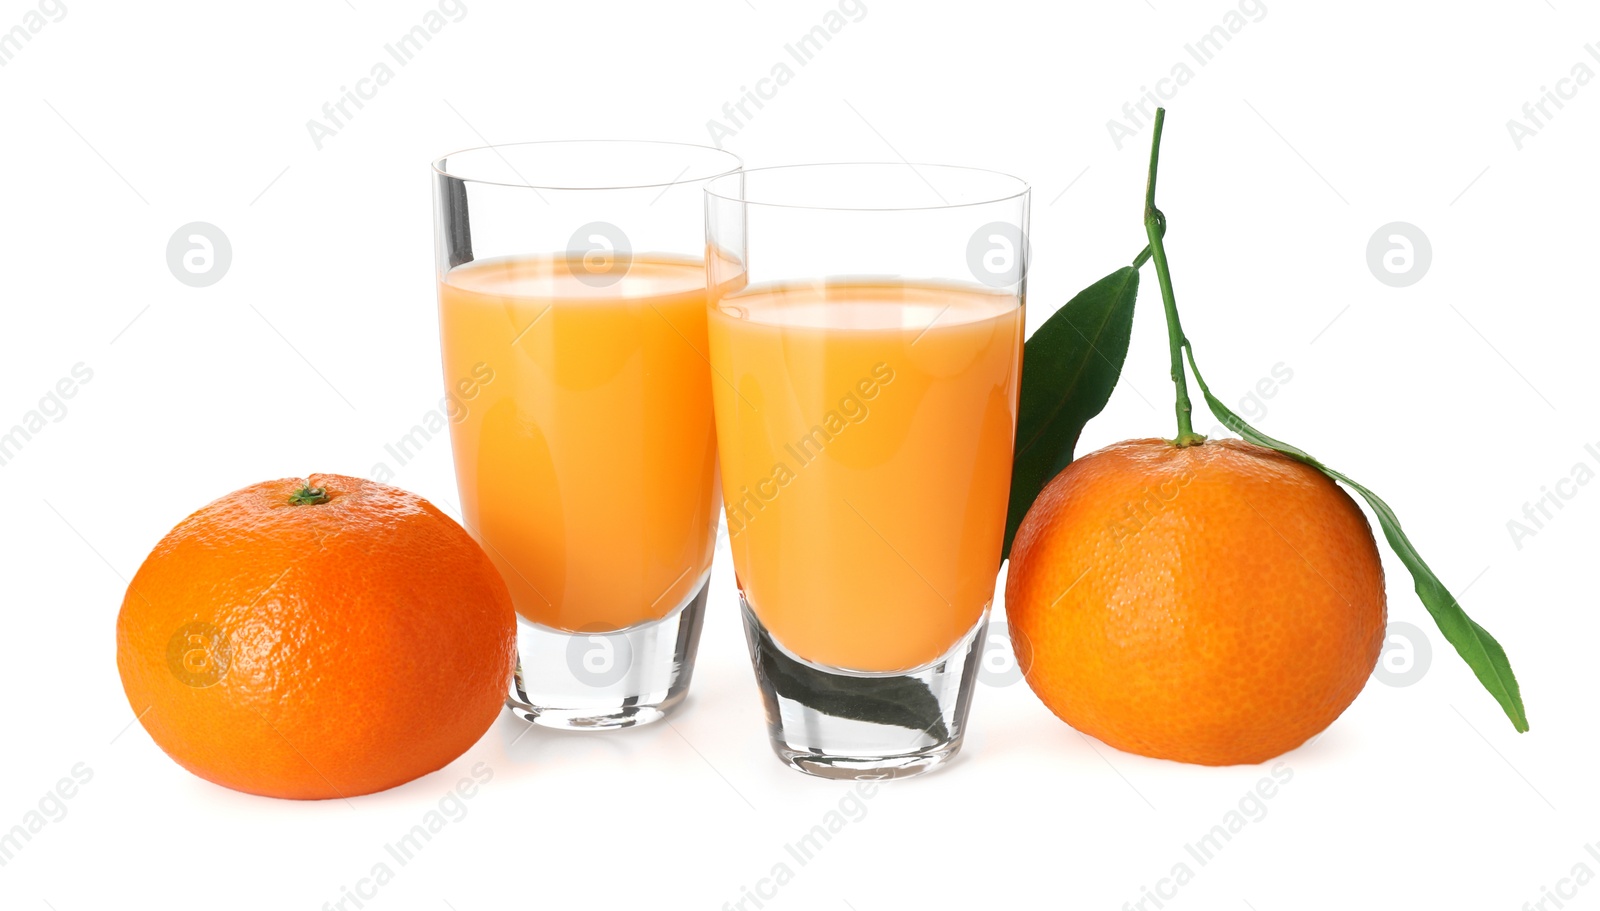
1208,601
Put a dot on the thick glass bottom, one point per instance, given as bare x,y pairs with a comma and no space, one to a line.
607,679
843,724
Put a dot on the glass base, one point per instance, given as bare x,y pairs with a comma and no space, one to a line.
607,679
842,724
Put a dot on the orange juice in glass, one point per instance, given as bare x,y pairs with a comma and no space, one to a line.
572,308
866,329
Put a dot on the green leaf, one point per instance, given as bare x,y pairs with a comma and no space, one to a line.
1069,367
1479,649
901,701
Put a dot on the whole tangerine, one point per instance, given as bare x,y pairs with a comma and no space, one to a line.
315,638
1216,603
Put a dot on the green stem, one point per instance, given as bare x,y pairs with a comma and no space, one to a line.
1155,225
308,496
1142,258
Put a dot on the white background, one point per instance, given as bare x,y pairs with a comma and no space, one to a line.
1459,398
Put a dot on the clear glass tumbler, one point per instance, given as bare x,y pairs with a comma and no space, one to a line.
572,314
866,329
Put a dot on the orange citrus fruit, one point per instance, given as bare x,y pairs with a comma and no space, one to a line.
1218,603
315,638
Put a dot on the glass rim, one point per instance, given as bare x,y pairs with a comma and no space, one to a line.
1019,187
440,167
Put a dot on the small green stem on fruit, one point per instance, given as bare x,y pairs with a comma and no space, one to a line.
1155,226
308,496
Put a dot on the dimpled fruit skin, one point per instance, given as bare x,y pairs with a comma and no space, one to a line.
1217,604
361,642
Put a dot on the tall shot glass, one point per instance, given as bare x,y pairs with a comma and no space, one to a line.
866,329
572,315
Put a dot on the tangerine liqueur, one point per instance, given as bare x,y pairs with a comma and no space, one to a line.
587,465
865,432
